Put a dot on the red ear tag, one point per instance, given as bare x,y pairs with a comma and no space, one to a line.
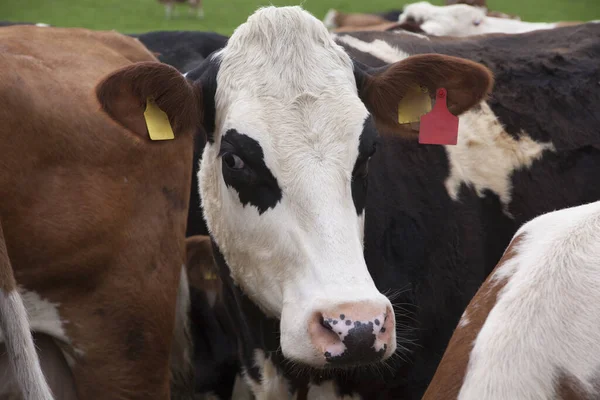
439,126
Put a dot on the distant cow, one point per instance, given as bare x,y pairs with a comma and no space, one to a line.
183,50
337,19
93,213
193,5
483,4
10,23
465,20
533,328
215,349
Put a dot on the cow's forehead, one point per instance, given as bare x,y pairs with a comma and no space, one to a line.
283,52
307,128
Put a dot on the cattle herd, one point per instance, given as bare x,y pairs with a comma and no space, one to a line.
186,215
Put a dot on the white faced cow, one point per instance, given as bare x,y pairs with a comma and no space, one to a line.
465,20
292,122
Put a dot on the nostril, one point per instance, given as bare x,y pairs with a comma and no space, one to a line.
326,323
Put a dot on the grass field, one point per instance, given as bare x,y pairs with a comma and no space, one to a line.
130,16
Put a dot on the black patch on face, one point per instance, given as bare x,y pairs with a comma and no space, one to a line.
366,148
359,346
251,178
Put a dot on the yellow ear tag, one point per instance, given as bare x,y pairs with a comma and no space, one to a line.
414,104
209,276
157,122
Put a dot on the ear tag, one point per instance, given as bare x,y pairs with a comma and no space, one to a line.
440,126
415,103
209,276
157,122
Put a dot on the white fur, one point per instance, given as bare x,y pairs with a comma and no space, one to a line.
181,347
545,322
329,19
285,83
464,20
273,385
378,48
485,156
20,348
43,316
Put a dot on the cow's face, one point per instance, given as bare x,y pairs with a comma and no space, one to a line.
451,20
284,183
292,123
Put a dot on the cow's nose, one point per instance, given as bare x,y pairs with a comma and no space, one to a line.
353,334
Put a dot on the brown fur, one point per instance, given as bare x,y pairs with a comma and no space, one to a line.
466,82
357,20
201,267
570,388
123,95
451,371
94,217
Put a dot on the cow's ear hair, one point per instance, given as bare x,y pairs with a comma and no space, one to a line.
124,94
381,89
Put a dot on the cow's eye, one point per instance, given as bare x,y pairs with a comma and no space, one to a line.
233,161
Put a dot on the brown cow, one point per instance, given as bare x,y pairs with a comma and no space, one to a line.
335,19
93,213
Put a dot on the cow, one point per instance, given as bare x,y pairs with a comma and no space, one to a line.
532,330
436,218
183,50
483,4
193,5
215,348
464,20
93,213
336,19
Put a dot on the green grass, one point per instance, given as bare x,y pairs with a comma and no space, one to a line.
129,16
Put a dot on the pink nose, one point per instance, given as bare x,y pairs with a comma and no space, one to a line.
353,334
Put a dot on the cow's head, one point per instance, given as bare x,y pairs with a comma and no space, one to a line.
292,123
452,20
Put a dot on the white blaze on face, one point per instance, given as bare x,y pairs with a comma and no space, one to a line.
293,244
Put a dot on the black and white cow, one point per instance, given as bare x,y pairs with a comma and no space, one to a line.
293,120
184,50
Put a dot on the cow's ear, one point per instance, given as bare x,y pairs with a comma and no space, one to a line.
382,89
151,87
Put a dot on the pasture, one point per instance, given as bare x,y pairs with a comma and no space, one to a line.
133,16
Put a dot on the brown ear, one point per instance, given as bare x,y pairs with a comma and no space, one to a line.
200,264
466,82
123,95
